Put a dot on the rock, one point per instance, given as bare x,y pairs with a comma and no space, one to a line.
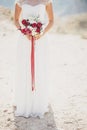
7,125
5,110
8,119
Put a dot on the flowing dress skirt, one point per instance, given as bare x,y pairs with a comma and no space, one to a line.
30,103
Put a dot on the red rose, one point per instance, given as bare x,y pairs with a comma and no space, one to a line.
23,31
25,22
28,31
39,24
38,30
34,25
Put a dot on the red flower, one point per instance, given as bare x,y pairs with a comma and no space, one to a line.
39,24
34,25
38,30
23,30
28,31
25,22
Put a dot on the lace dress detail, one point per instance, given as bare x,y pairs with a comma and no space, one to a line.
32,2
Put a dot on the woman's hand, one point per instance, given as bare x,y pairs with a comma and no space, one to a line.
38,36
29,37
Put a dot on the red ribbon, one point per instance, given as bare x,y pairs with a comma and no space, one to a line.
33,63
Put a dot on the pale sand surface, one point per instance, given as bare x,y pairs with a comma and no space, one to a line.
68,83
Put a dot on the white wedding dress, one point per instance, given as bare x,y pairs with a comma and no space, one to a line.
30,103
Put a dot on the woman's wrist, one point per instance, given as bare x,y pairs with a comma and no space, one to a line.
48,27
17,25
43,33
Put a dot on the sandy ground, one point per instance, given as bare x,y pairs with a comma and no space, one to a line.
68,83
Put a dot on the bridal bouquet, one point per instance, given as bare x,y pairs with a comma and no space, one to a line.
31,26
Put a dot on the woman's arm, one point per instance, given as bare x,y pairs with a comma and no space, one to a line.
16,18
49,10
17,15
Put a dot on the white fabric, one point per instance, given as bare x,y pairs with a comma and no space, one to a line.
32,2
31,103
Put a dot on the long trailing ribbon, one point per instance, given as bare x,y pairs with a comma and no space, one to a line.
33,63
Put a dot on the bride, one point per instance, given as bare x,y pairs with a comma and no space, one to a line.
31,98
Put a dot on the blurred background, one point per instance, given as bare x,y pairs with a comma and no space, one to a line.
70,15
61,7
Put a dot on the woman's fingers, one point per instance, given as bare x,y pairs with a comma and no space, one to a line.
37,36
29,37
